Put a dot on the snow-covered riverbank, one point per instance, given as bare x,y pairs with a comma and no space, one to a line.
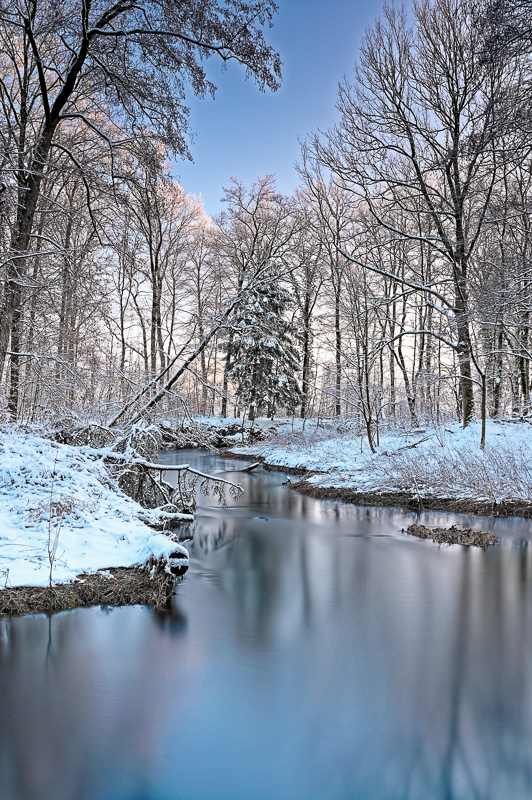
434,466
61,514
56,496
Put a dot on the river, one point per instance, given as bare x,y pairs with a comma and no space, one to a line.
314,651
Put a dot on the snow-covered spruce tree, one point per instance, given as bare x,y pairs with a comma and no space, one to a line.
263,350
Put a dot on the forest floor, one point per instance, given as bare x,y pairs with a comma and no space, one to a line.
66,527
439,467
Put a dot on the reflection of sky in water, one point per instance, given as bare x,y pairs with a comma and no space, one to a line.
317,653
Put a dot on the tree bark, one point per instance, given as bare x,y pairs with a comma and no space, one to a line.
338,354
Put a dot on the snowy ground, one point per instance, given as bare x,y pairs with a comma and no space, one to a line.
445,461
50,490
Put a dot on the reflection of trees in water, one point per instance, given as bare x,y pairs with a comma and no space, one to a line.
435,752
484,749
454,755
171,617
507,688
77,720
444,634
254,577
212,534
456,650
416,661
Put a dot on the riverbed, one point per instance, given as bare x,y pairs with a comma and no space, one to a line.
313,651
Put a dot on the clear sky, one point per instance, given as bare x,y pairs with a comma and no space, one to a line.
247,133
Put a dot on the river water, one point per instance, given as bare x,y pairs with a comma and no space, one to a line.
313,652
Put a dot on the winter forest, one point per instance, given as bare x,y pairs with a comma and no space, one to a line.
265,460
393,287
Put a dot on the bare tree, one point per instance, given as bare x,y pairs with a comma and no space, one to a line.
333,219
203,280
307,283
111,65
163,217
418,132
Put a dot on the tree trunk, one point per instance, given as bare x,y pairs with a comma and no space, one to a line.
410,396
392,364
204,375
338,354
227,367
28,195
225,386
483,410
306,358
466,382
16,335
498,377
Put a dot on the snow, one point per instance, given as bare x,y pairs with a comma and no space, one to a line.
50,490
439,461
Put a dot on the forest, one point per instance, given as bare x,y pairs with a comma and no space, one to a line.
392,288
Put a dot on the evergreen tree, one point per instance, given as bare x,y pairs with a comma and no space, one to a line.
263,352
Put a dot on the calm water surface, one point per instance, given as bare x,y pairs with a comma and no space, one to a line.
314,652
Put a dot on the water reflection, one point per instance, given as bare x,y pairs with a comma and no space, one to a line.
171,617
312,651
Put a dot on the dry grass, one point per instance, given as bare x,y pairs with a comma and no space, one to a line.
128,586
66,506
496,475
454,535
414,500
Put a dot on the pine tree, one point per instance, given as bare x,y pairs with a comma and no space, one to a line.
263,352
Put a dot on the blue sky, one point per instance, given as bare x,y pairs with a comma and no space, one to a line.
247,133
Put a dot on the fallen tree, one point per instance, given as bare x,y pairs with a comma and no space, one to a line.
72,535
180,370
131,459
260,277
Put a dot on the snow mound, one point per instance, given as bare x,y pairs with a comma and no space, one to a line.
51,491
445,461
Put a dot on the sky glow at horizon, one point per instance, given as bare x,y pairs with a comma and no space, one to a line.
246,133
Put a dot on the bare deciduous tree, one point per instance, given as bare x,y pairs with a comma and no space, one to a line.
116,68
419,133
